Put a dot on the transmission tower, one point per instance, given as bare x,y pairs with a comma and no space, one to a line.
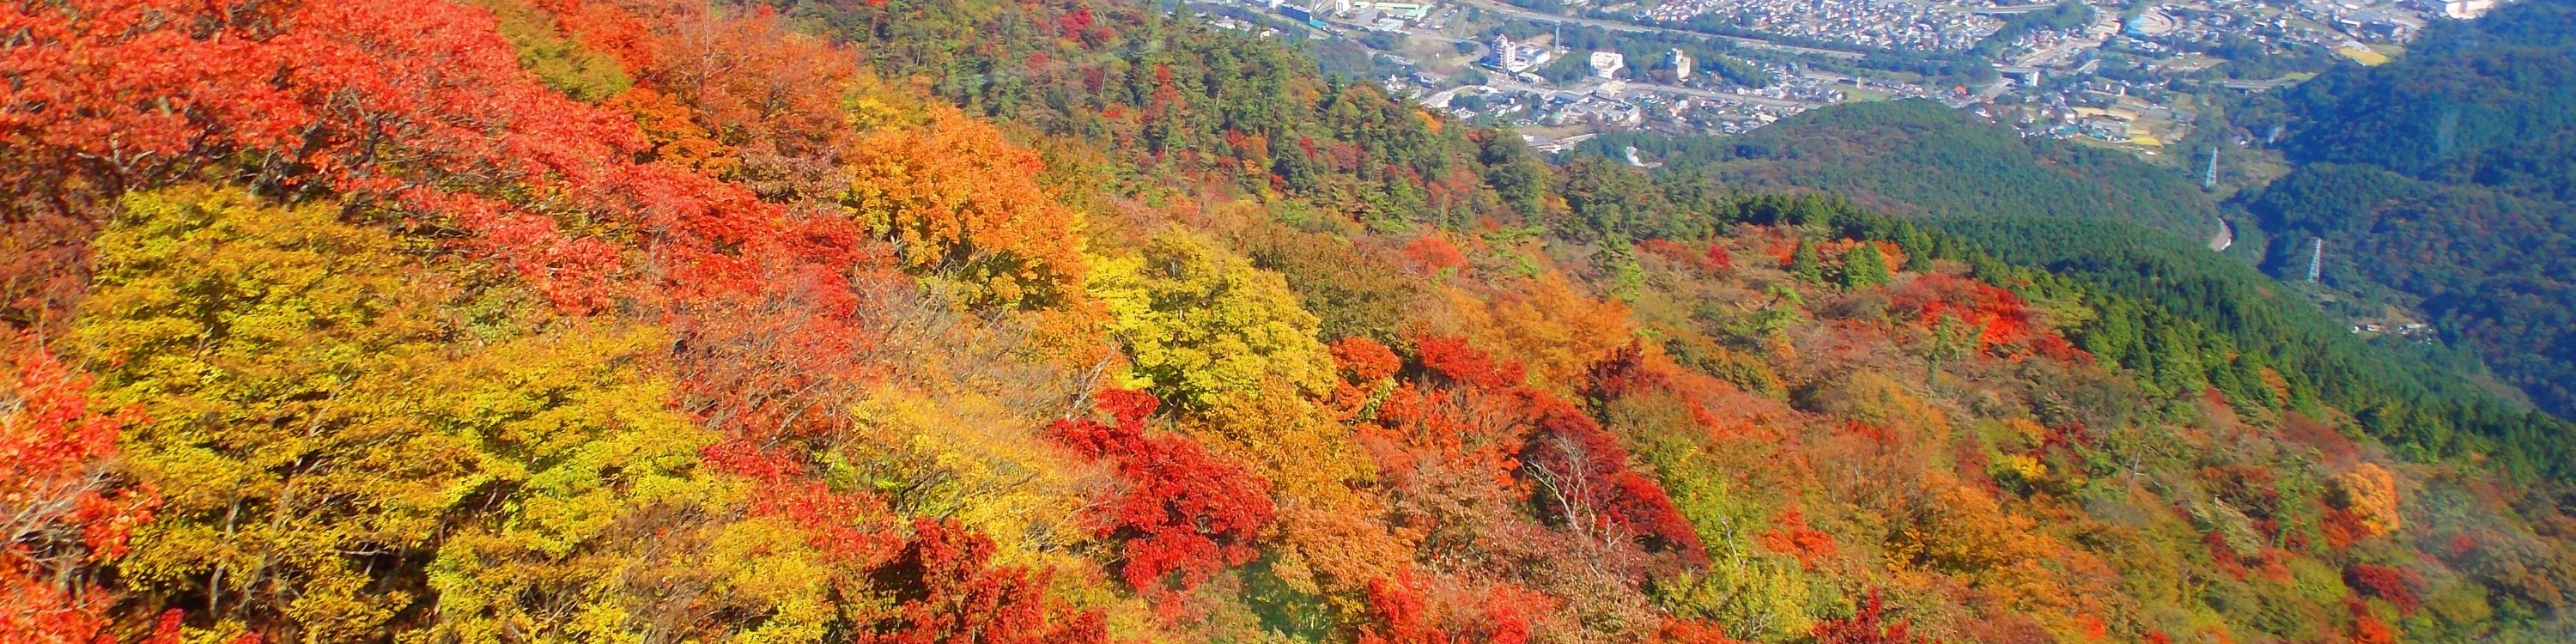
2316,257
2209,177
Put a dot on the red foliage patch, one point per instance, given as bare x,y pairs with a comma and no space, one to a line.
2396,585
1470,415
1583,478
2337,448
1076,22
1402,615
2227,558
2462,545
1621,374
2006,325
1185,514
1877,434
947,591
1452,358
1868,626
1712,259
2342,528
1365,360
69,510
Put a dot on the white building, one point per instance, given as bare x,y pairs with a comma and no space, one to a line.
1606,64
1681,65
2467,9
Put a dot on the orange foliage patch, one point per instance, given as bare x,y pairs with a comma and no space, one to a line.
956,198
1432,253
1791,536
1691,631
2367,629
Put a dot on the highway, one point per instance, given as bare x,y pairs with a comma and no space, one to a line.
1630,27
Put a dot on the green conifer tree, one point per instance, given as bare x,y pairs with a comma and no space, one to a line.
1918,250
1804,263
1864,267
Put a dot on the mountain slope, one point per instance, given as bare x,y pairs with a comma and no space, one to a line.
2127,230
2441,183
2490,102
1056,322
1918,158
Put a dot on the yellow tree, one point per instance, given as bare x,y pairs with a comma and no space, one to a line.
277,354
1230,347
579,465
326,429
1200,323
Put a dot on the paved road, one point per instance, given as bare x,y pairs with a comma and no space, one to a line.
1498,82
2256,86
2044,55
1615,25
2000,11
1988,93
1634,86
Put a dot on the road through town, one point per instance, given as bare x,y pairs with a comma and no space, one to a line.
1614,25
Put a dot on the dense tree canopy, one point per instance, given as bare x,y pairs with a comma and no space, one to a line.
2440,185
1057,321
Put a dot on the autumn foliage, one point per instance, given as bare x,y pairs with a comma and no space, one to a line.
950,591
1058,321
956,200
1403,615
2004,324
1183,514
1869,625
67,510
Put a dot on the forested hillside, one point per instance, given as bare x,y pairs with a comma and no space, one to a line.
1918,158
2490,102
2130,233
2445,183
1056,321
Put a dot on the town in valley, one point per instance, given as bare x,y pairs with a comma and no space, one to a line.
2133,76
